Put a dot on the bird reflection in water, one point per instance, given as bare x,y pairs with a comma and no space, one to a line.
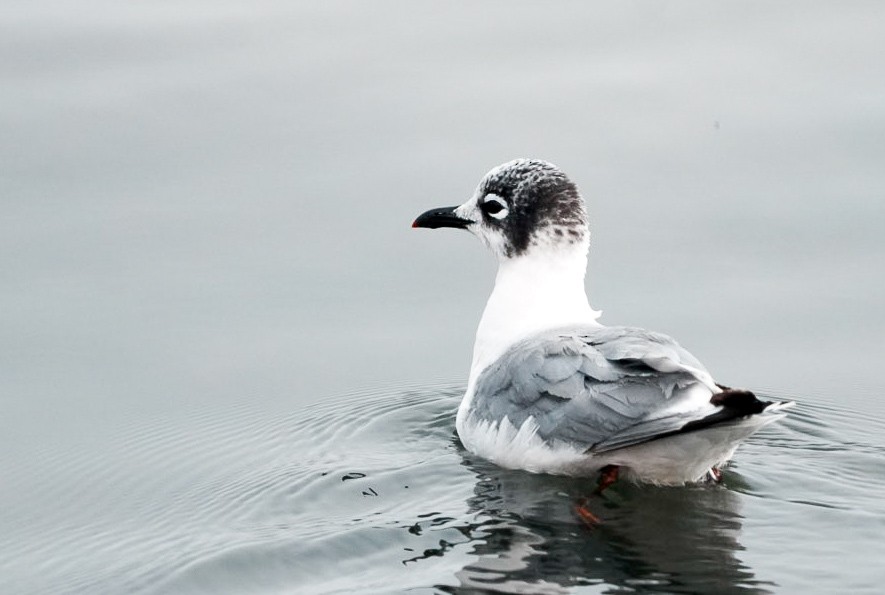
527,538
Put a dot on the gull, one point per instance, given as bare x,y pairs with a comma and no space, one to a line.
551,389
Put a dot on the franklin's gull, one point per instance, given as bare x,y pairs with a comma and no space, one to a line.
552,390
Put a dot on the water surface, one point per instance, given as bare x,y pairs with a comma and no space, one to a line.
372,492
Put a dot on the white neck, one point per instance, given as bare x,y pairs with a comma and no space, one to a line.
533,292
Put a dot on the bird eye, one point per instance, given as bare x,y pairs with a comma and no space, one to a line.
494,207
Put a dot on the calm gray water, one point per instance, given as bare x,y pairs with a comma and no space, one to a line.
227,364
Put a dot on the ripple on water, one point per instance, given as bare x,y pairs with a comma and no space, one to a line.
372,492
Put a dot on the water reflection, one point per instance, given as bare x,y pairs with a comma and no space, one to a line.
372,493
528,540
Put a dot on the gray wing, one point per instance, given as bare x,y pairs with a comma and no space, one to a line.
595,388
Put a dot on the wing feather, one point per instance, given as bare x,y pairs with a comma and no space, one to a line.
596,388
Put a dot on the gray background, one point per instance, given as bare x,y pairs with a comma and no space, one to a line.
206,200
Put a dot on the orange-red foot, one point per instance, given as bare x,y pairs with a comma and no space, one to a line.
607,476
590,519
716,474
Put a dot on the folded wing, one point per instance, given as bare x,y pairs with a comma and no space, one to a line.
599,388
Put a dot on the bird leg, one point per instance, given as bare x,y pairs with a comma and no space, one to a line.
583,512
607,476
716,474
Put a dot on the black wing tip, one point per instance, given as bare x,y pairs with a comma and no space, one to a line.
740,402
735,403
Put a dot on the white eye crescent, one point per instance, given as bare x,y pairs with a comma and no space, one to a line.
494,206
